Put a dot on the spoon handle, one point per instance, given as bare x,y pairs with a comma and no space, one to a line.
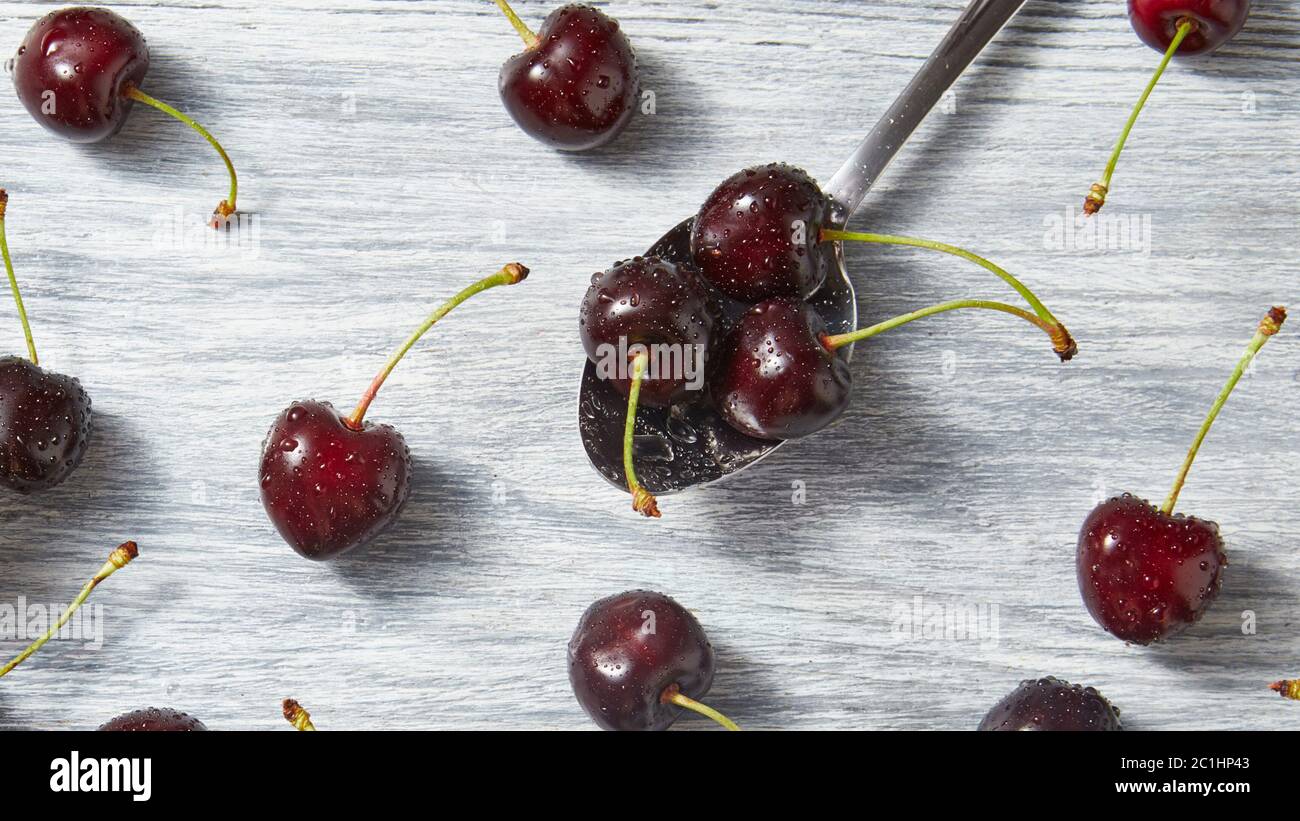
978,24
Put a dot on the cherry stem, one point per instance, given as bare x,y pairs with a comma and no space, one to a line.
227,207
643,501
673,695
13,280
530,39
511,274
1097,196
1287,689
1268,328
832,235
1061,342
296,715
118,559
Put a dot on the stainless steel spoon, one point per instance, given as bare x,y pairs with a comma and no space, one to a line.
689,445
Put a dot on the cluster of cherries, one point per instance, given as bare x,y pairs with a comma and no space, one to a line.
740,309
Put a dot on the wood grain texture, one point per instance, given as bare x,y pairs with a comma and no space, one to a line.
385,174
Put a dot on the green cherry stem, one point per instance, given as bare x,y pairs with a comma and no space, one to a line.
643,501
118,559
1061,341
295,714
1097,196
227,207
13,280
673,695
832,235
530,39
512,274
1268,328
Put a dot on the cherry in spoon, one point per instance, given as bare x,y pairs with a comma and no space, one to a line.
1178,28
1050,704
45,417
638,659
118,559
1145,573
329,482
575,85
78,72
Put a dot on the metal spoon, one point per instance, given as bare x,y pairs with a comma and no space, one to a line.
688,445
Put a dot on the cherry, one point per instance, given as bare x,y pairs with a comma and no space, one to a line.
753,237
1179,28
648,310
1146,574
121,556
775,379
153,720
1052,704
637,659
297,716
331,483
327,486
648,303
78,72
777,376
575,86
45,417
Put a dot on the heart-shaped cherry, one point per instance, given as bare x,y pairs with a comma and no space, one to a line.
1179,28
331,483
121,556
1052,704
329,486
153,720
777,375
45,417
638,659
1146,574
295,714
78,72
575,86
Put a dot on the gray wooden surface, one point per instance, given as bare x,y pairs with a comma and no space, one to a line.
385,174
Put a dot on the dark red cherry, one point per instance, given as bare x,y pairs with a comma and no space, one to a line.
1145,575
153,720
45,425
652,304
575,86
774,379
73,69
632,649
327,487
1052,704
1217,22
756,235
